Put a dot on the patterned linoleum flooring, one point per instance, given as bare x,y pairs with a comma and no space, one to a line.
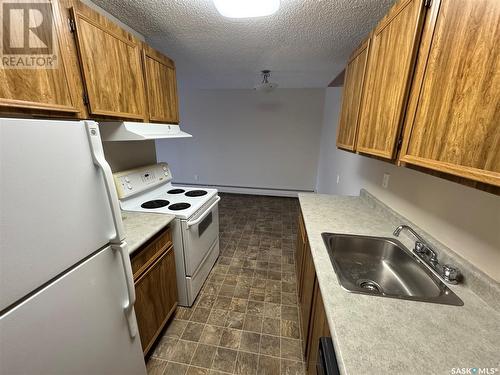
246,318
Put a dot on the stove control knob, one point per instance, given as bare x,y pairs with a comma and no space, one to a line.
164,168
127,179
166,173
129,186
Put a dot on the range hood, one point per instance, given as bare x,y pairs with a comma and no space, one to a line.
139,131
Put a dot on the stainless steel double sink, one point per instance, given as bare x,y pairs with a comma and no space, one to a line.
383,267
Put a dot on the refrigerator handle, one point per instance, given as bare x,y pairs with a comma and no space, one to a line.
129,279
117,242
99,160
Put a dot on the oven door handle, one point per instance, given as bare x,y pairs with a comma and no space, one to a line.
196,221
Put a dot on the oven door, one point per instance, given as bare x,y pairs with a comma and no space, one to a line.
198,235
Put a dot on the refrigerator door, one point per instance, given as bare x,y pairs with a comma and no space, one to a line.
75,325
54,206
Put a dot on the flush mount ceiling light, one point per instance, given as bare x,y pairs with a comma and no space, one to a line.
246,8
266,86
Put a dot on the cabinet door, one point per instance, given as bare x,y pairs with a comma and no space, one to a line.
156,292
299,256
41,89
390,66
161,86
110,60
319,328
306,299
453,121
351,101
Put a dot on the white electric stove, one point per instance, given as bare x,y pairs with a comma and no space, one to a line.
195,230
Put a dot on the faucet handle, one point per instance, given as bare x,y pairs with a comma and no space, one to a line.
451,274
420,247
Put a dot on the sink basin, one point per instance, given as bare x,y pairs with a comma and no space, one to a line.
383,267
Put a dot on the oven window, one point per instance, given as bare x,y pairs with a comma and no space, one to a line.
204,224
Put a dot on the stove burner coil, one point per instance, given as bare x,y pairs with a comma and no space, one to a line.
157,203
195,193
175,191
179,206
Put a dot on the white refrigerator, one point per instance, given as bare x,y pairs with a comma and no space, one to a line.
66,286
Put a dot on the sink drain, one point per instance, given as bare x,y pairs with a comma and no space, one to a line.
369,286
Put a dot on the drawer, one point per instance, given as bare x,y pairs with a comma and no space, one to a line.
149,253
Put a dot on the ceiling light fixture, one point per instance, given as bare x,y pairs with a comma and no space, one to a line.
246,8
266,86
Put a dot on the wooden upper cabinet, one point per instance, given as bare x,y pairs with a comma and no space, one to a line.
110,60
351,101
161,86
393,48
453,120
56,89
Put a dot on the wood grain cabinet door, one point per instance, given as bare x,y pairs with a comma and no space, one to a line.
453,121
110,60
306,299
319,328
52,87
156,298
161,87
299,254
351,100
393,49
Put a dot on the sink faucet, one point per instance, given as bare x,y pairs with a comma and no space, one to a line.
423,250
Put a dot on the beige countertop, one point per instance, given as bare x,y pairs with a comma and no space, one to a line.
141,226
376,335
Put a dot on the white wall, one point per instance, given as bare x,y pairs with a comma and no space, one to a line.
464,219
246,138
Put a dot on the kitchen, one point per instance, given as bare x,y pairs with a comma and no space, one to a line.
250,187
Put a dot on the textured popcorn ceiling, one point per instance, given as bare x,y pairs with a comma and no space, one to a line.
305,44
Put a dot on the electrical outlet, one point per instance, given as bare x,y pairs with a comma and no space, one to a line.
196,177
338,179
385,180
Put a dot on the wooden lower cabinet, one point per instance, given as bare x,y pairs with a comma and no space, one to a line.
156,289
318,328
306,295
314,324
299,255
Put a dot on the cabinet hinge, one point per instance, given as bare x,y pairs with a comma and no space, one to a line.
72,25
427,3
85,98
